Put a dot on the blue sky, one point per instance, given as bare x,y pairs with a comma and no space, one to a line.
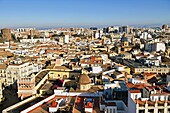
70,13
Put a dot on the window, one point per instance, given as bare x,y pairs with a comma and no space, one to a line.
72,76
114,111
107,110
152,98
159,98
165,98
65,76
136,96
83,87
111,110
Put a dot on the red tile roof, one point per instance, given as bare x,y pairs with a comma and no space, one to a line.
89,105
134,91
54,104
129,85
140,85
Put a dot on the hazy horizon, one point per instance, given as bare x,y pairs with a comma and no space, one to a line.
98,26
83,13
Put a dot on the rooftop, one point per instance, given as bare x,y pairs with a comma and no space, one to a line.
134,91
150,103
84,79
110,103
3,66
40,76
54,104
61,68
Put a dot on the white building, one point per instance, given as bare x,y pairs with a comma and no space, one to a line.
19,69
97,35
135,80
147,106
135,94
145,35
24,29
66,39
96,69
119,67
45,33
113,28
105,58
152,61
159,46
114,88
159,96
109,107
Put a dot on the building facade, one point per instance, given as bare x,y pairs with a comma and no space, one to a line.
6,33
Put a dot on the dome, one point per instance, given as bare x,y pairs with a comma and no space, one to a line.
124,39
84,79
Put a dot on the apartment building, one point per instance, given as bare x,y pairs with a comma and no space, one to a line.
18,69
147,106
156,70
137,67
158,46
3,72
25,86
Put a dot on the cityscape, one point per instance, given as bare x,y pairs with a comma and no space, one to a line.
89,56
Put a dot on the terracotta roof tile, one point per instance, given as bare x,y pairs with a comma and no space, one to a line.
134,91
